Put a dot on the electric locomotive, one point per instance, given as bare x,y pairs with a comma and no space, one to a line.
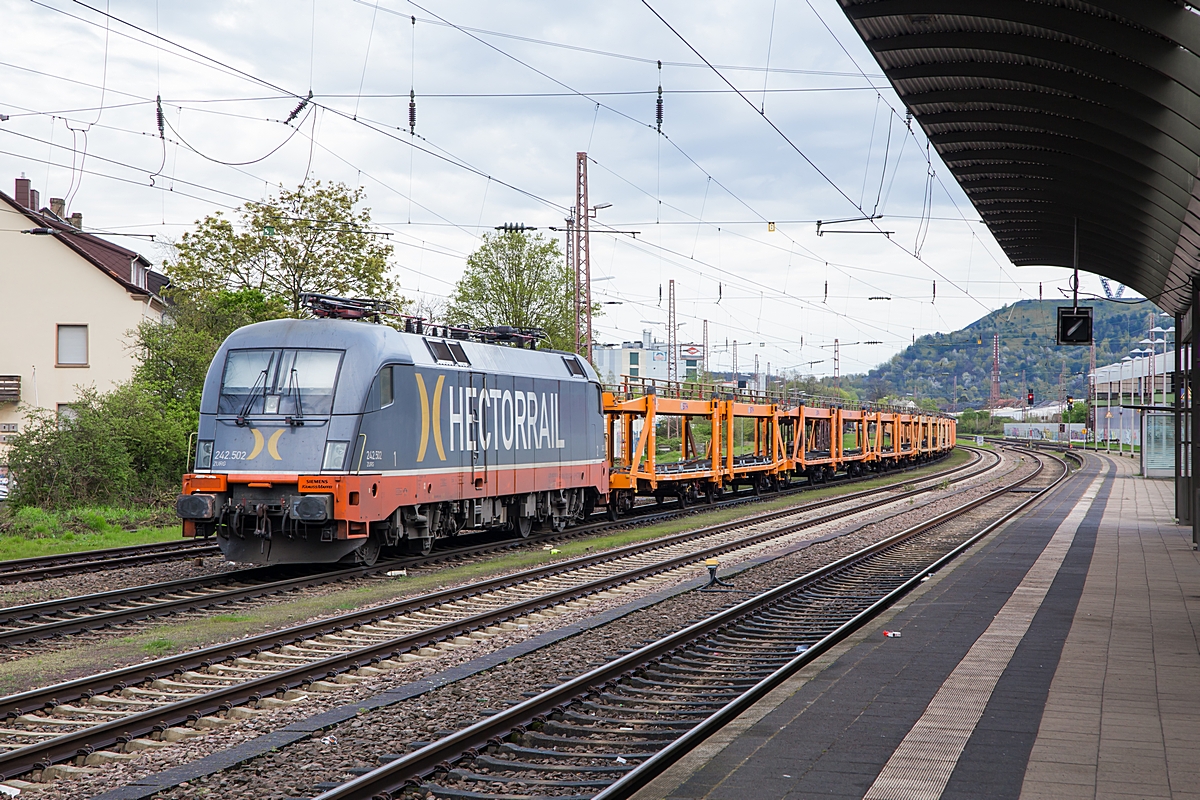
326,440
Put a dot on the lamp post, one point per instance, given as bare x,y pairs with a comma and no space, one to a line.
1121,400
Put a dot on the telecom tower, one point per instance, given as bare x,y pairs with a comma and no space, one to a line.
994,401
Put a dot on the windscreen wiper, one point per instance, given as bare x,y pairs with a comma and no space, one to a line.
241,417
293,384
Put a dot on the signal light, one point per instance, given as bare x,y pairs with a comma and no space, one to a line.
1070,402
1029,399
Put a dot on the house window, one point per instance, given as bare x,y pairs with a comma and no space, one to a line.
633,372
72,346
633,359
67,414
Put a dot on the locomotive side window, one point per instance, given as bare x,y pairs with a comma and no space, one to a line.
460,355
269,381
385,387
439,350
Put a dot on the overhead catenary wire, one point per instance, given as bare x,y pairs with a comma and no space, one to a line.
454,160
198,57
797,149
908,121
706,181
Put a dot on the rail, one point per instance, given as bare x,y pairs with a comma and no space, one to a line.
676,552
855,576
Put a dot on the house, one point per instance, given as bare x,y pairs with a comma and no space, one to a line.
70,301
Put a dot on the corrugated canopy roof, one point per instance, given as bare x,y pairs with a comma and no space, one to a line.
1055,111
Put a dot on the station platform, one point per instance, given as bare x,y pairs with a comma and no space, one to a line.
1058,659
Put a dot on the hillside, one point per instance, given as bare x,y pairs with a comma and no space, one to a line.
1027,343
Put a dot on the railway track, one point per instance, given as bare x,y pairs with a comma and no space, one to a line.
62,565
97,719
54,619
58,566
606,734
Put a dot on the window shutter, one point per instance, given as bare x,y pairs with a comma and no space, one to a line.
72,344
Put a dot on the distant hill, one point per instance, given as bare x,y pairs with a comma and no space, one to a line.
1027,343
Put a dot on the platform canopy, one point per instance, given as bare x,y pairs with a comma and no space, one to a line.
1058,111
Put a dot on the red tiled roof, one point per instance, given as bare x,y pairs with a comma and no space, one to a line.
114,260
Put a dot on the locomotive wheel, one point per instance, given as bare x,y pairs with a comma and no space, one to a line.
368,554
524,527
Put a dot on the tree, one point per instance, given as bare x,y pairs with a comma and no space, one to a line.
519,280
310,239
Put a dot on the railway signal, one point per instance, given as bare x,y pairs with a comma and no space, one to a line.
1029,399
1074,325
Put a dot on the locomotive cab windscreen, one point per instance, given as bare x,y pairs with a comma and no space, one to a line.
265,393
289,382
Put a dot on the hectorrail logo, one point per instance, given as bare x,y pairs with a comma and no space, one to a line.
272,445
480,418
425,417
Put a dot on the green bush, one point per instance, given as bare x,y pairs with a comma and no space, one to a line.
32,522
120,448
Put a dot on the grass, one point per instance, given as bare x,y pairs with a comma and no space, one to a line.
970,442
158,647
165,638
29,532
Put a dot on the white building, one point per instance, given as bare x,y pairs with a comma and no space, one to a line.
643,359
72,299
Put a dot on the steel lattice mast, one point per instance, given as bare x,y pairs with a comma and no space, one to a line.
994,401
580,244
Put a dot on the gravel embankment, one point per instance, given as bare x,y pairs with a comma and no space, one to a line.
104,580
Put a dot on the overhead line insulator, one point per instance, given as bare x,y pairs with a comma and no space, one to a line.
658,108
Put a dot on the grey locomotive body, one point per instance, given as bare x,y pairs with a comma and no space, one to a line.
328,440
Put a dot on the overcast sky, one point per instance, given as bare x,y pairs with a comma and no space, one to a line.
507,93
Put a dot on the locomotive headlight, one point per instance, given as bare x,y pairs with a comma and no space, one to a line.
204,452
335,455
